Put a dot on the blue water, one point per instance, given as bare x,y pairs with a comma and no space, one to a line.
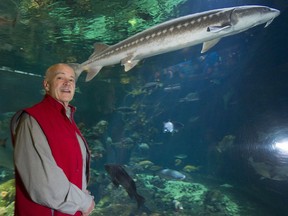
229,105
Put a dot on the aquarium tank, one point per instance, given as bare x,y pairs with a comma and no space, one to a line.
189,101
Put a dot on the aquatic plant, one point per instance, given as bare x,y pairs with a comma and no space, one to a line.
7,196
216,202
100,128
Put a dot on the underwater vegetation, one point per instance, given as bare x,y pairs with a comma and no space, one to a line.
7,196
172,197
6,152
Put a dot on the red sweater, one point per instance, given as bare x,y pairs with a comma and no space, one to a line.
61,135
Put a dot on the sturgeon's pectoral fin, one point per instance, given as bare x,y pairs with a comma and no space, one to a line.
268,23
208,44
92,72
216,29
129,63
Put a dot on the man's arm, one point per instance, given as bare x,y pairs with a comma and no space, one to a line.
45,182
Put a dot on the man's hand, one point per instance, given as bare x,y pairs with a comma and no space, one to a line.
90,209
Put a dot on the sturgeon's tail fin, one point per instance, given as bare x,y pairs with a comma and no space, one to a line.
77,69
91,72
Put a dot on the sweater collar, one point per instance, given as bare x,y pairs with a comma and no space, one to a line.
56,104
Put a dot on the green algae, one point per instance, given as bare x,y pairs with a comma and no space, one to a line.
7,196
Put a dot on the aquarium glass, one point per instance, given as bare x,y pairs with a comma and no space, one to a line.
196,129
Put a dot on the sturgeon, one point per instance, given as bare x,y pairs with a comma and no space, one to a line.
206,27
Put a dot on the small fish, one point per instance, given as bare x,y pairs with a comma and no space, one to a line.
226,185
125,110
181,156
145,163
152,85
192,96
172,127
168,127
190,168
171,174
120,177
171,88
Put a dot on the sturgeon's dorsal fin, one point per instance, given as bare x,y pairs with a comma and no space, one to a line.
98,48
209,44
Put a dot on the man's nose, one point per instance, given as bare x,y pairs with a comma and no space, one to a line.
67,82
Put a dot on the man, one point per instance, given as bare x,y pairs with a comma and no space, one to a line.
50,154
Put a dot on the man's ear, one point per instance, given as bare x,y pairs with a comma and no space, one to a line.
46,85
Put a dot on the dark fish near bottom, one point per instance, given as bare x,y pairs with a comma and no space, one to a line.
120,177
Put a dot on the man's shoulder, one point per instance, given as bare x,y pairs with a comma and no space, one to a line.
20,115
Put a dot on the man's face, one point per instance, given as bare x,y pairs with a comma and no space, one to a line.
60,84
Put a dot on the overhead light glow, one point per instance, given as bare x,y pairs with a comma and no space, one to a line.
282,146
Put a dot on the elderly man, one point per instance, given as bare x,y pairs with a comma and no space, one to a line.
50,154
